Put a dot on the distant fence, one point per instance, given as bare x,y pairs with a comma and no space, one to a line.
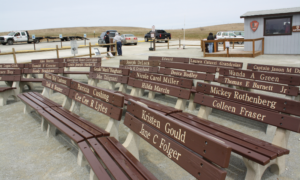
168,45
64,48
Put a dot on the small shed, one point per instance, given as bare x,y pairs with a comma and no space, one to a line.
280,29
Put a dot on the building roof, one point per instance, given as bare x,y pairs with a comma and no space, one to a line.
285,11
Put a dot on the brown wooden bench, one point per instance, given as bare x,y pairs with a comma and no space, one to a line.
176,140
228,64
80,62
112,75
274,69
140,65
13,76
169,59
105,155
277,112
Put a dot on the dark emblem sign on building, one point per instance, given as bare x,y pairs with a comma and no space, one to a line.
254,25
296,28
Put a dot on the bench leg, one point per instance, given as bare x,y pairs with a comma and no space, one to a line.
271,129
204,112
123,88
81,160
27,109
151,95
51,130
134,91
75,107
47,92
67,102
113,128
255,170
92,175
192,105
44,124
132,144
141,92
180,104
93,82
16,84
5,95
112,85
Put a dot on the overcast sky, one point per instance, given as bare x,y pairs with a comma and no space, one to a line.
164,14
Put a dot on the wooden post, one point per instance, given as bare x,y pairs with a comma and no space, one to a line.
168,42
116,49
60,43
227,52
154,44
57,54
224,44
263,46
179,43
215,46
14,55
90,48
253,48
34,44
232,44
203,47
201,44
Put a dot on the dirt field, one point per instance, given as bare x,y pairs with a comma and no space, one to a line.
191,34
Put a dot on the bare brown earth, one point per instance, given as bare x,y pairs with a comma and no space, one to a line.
192,34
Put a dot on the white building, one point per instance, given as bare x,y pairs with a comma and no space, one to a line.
279,27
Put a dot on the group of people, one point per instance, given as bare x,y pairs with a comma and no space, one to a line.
117,39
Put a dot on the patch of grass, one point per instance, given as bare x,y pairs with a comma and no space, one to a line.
190,34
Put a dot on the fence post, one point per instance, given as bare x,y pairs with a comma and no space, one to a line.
168,42
57,51
215,46
90,48
253,48
233,45
14,55
203,47
263,45
179,43
116,49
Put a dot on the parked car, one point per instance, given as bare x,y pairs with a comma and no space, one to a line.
129,39
111,36
159,34
18,37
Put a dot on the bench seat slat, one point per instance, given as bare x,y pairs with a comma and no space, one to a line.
2,89
39,96
40,103
61,126
69,123
107,160
82,123
125,159
239,146
97,167
32,79
77,72
257,142
29,102
105,133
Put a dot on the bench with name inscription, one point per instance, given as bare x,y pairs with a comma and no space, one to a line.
112,75
13,76
278,113
168,85
169,59
228,64
285,84
107,158
193,149
80,62
140,65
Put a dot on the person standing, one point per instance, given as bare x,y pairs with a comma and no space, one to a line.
119,40
210,44
106,39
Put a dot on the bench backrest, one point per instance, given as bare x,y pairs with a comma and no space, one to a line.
160,88
44,65
140,65
176,140
111,74
255,80
170,80
59,60
10,74
249,111
271,68
12,65
190,67
82,64
81,60
228,64
169,59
